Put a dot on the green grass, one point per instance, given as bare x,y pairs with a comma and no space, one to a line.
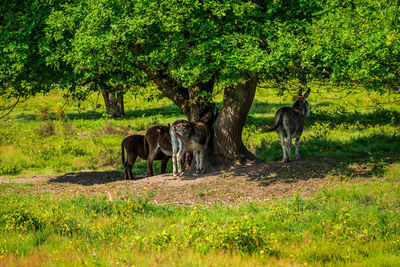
344,123
344,225
355,222
35,140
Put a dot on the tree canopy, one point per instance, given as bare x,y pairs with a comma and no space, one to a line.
195,41
191,48
356,42
23,71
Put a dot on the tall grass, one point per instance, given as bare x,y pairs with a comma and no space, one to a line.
345,225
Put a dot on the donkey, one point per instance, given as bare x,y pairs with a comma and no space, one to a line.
159,143
189,136
289,123
136,145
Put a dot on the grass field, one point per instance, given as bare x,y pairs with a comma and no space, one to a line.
352,140
44,136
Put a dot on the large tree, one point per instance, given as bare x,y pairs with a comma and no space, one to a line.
23,71
82,44
191,48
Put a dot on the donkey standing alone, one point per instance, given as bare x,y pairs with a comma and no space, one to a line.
289,123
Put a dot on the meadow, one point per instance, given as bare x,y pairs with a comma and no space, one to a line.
355,220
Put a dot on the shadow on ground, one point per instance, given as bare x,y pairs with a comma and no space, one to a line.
89,178
344,169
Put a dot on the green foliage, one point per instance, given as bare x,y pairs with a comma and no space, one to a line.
9,168
355,41
23,71
346,225
242,235
84,43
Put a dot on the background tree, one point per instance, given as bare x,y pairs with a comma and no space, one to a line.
82,44
23,71
356,42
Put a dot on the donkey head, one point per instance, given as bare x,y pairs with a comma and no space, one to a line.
301,104
183,129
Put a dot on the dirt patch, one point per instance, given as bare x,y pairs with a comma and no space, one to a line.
255,182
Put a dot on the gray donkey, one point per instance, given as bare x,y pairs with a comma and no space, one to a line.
289,123
185,137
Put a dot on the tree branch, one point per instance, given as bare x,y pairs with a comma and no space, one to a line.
170,88
11,107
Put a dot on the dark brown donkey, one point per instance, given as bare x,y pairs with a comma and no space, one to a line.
159,144
136,145
289,123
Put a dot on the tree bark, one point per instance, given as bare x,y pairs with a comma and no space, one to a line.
227,144
114,103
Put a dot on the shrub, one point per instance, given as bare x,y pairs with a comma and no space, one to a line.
8,133
46,129
43,112
72,148
9,168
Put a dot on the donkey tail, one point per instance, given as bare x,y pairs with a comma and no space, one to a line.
145,147
278,122
123,152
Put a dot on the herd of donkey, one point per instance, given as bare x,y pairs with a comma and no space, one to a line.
185,141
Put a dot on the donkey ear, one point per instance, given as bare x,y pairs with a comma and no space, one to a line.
300,92
307,93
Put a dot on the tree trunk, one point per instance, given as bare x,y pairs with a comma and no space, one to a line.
227,145
114,103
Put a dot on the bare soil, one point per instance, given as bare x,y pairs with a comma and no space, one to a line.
251,182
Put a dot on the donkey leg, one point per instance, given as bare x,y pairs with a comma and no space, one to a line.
179,162
130,175
131,159
150,167
297,148
174,164
164,163
174,146
180,155
196,154
125,171
288,146
201,156
150,160
188,159
283,146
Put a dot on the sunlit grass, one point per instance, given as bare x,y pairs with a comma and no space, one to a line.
343,225
344,123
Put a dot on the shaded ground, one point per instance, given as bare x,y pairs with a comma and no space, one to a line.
255,182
